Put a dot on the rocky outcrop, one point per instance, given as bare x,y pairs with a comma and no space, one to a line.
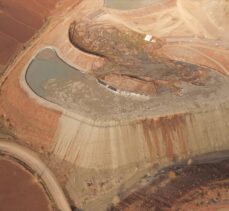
127,55
19,21
190,37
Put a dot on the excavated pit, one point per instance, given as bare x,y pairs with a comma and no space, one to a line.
201,185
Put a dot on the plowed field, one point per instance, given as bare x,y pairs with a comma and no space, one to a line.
19,21
20,190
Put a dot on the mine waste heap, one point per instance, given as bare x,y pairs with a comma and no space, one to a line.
126,107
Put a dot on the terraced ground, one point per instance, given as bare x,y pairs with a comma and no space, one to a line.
19,21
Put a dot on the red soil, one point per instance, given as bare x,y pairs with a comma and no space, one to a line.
49,4
42,122
19,31
19,20
8,46
33,5
18,12
1,69
20,190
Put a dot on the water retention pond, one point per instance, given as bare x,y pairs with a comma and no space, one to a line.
128,4
55,81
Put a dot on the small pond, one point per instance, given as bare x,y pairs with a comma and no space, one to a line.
57,82
128,4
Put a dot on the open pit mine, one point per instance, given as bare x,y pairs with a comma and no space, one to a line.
114,105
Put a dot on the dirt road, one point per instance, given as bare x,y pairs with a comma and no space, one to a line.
32,160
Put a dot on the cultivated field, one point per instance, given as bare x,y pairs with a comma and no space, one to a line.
19,21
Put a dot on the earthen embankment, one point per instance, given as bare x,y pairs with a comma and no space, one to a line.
161,134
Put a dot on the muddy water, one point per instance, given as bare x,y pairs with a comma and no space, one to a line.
52,79
20,190
55,81
47,66
128,4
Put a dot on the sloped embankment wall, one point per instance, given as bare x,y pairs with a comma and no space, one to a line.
160,140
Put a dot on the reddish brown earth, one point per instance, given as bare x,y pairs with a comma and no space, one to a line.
36,121
195,187
19,21
129,58
8,46
20,190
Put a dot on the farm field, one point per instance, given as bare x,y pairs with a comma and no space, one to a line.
19,21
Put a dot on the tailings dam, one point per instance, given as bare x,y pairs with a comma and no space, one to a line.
118,99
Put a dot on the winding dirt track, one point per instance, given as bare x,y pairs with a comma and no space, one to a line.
30,159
